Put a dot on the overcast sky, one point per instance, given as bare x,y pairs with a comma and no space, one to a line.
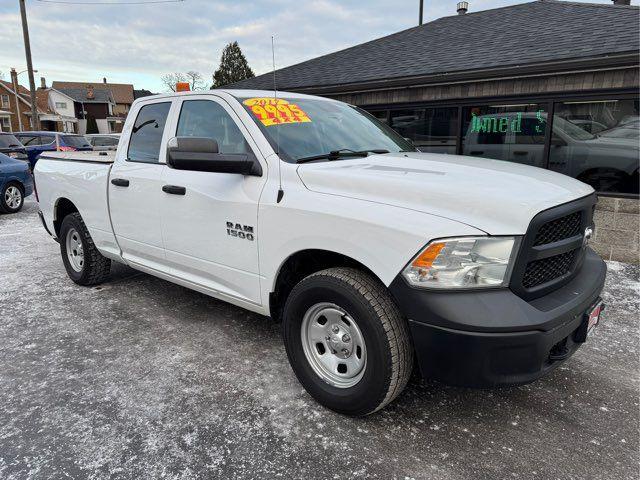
138,43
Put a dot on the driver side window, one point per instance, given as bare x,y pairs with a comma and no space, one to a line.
206,118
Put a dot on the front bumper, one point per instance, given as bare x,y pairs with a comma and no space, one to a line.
493,337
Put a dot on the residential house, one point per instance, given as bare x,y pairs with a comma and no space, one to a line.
121,93
15,108
566,72
58,110
93,109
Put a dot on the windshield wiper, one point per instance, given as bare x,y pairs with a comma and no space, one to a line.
343,152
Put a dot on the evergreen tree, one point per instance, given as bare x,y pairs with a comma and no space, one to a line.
233,67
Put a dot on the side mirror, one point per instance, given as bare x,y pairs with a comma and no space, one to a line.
200,154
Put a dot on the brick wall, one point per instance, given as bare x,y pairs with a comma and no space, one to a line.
25,112
617,229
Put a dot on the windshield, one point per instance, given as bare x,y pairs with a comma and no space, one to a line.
571,129
77,141
305,127
8,141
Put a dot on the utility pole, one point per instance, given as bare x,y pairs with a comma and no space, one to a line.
421,11
27,49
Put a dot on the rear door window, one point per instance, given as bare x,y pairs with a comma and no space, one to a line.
29,140
146,135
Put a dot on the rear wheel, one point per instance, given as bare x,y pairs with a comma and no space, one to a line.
347,341
85,265
11,198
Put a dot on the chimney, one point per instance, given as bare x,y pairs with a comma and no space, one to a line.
622,2
462,7
104,79
43,83
90,95
14,79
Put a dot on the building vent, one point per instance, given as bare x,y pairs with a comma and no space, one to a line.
462,7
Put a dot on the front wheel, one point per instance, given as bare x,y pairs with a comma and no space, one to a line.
347,341
85,265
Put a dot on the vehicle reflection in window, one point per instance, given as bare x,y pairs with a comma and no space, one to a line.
608,159
430,129
506,132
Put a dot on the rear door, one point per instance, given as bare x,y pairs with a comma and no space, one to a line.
210,231
135,188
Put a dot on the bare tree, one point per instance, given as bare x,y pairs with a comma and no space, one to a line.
196,82
169,80
193,78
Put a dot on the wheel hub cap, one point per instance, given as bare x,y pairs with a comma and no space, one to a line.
334,345
12,197
75,251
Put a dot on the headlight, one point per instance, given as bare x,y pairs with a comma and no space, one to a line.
466,262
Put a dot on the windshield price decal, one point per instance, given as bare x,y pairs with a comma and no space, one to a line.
276,111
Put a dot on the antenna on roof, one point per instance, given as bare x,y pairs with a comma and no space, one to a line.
275,98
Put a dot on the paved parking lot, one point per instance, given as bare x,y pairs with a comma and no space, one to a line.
140,378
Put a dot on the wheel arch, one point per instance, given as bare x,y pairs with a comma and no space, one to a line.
62,207
301,264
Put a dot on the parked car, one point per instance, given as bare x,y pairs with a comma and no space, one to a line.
368,251
11,146
16,183
38,142
103,142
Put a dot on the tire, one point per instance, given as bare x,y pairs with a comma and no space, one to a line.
12,198
365,312
85,265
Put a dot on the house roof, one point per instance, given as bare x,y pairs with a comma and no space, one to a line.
121,92
533,33
80,94
23,93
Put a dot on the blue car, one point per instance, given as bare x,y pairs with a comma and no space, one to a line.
38,142
16,183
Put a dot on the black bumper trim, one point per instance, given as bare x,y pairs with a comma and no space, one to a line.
493,337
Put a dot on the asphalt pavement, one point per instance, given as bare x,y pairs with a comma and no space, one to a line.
140,378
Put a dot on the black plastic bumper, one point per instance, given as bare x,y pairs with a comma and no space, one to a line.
493,337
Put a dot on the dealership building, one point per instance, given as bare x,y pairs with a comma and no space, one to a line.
549,83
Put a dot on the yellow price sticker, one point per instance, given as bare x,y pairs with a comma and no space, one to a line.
276,111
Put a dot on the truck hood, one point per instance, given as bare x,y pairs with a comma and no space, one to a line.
497,197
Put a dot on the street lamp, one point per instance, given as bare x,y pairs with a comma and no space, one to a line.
15,92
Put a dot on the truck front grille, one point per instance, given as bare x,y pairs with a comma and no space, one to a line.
547,269
555,230
552,250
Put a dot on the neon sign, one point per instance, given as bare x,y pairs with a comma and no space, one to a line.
503,124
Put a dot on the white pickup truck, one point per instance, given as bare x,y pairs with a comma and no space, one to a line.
370,253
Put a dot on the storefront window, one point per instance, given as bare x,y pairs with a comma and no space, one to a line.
505,132
597,142
430,129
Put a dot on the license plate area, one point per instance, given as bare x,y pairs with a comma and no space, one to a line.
590,319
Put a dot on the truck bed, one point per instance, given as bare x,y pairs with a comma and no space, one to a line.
79,179
92,157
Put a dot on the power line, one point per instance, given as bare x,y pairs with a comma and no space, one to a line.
126,2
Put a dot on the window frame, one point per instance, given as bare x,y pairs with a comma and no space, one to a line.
2,102
235,116
163,140
548,99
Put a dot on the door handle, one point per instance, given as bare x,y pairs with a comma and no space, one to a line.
476,152
174,189
120,182
520,152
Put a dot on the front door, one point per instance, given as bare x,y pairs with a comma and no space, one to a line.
210,228
135,189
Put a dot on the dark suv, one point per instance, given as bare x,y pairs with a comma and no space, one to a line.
38,142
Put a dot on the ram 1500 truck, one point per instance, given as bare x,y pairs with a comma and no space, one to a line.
370,253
